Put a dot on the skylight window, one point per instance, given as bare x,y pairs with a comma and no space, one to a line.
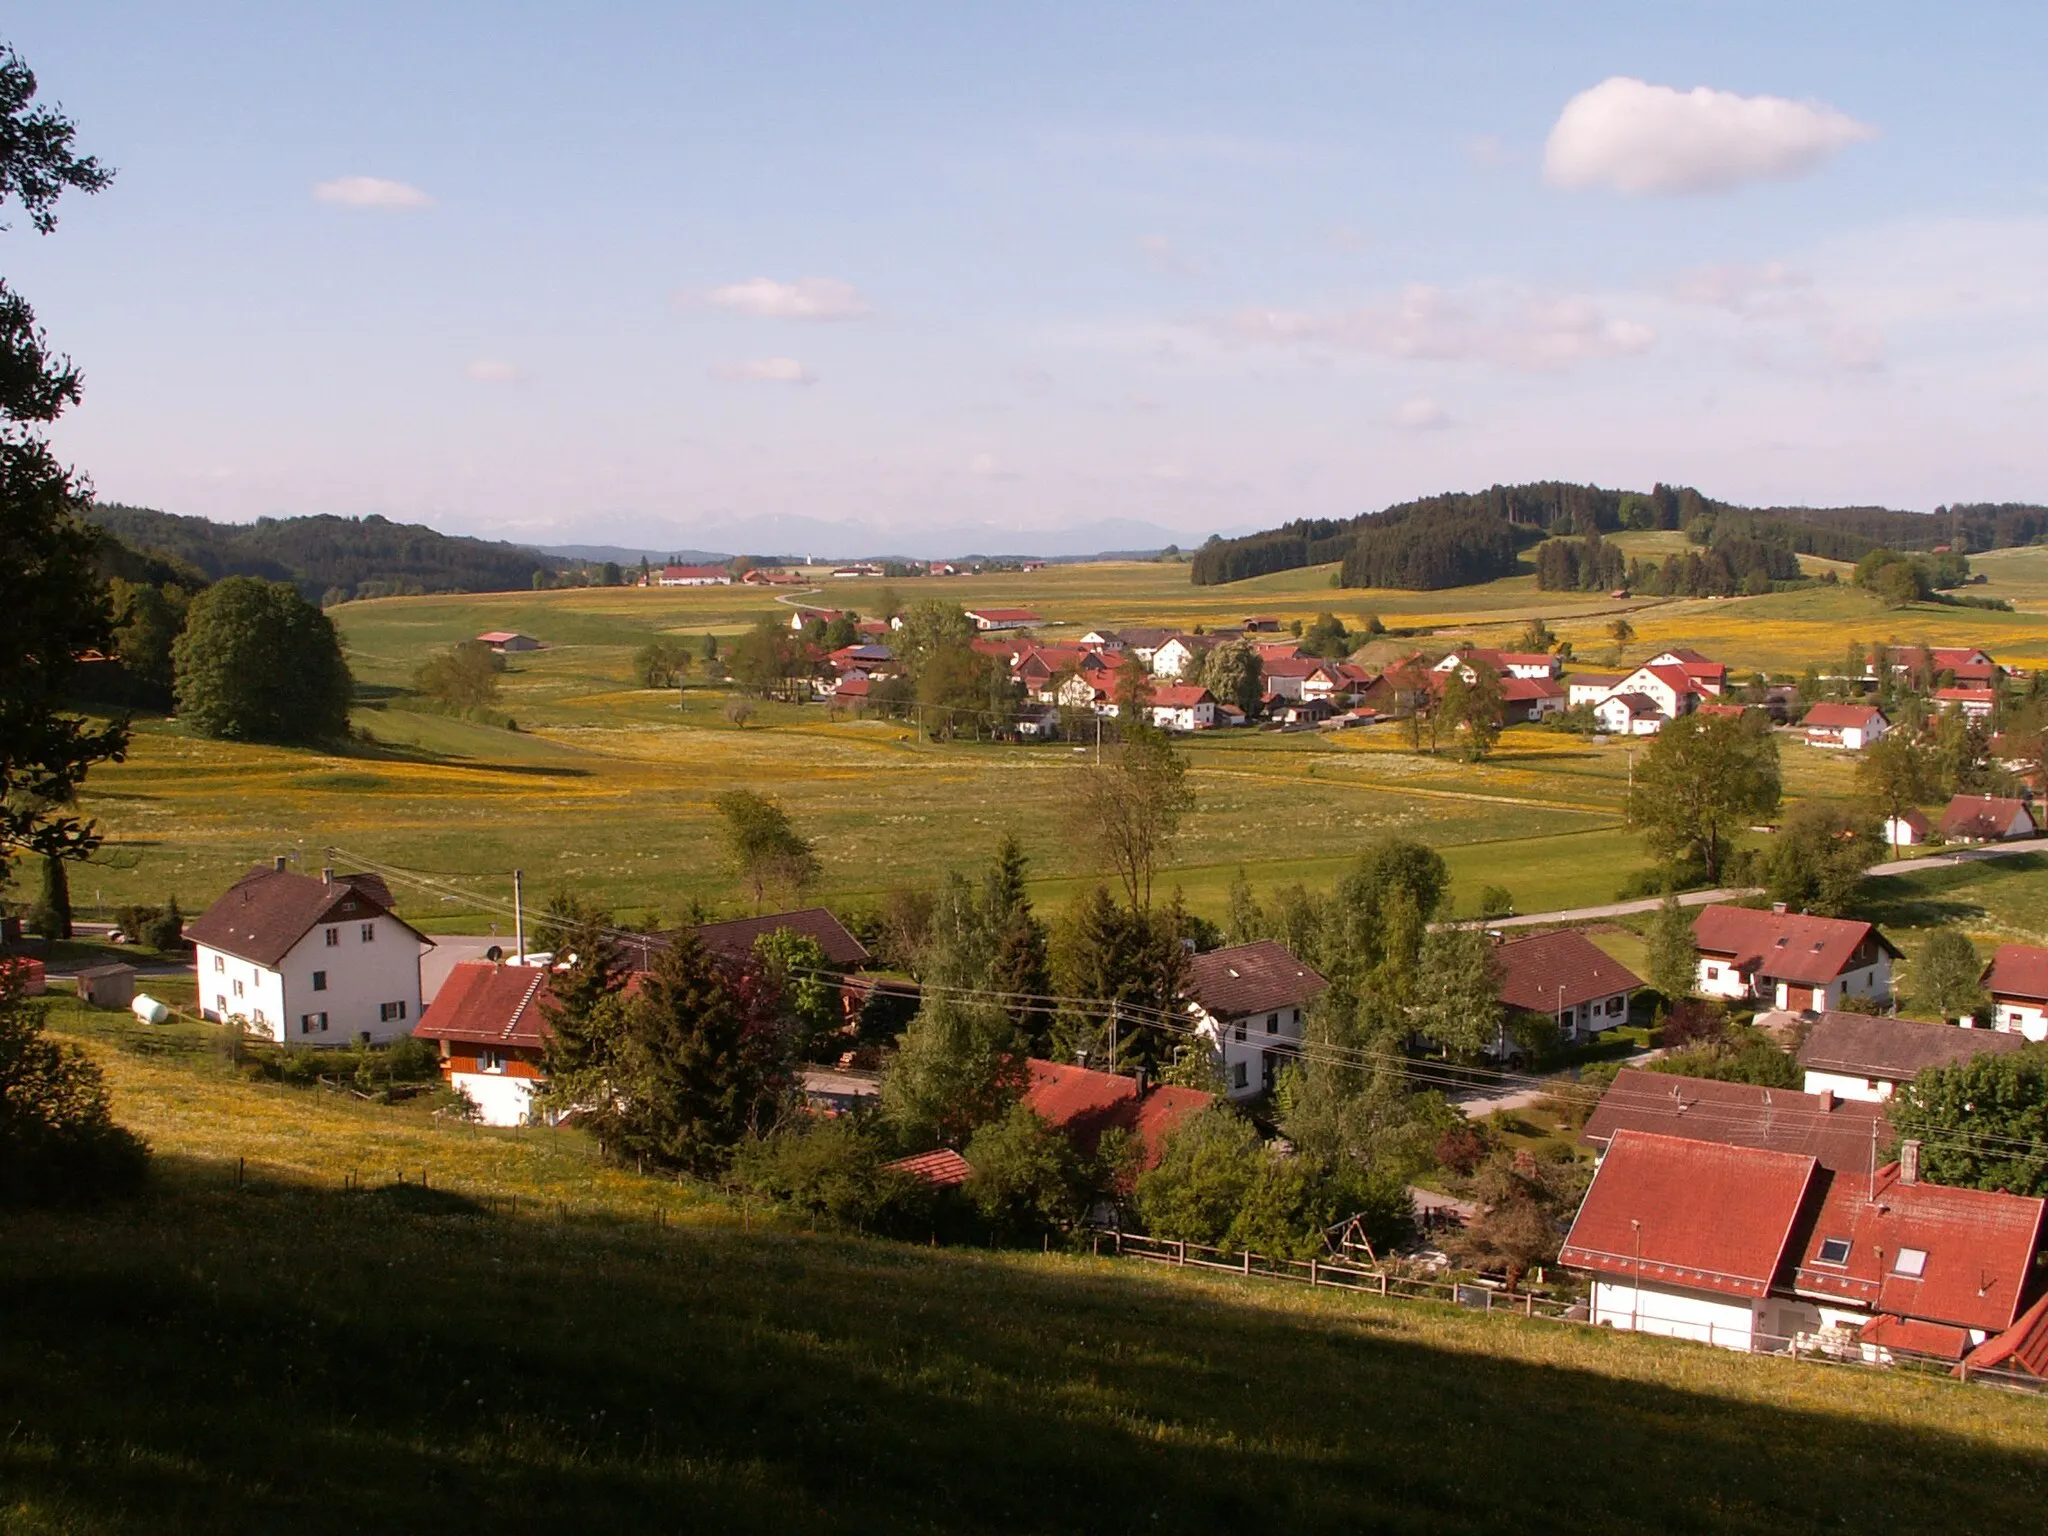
1833,1250
1911,1262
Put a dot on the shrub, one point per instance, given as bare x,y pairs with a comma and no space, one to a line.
1462,1149
833,1169
1028,1179
59,1144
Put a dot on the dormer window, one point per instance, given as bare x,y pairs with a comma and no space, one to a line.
1911,1262
1833,1250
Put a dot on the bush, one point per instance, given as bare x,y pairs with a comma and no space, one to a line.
1462,1149
159,928
58,1141
833,1169
1028,1179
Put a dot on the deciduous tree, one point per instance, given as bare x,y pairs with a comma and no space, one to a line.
1946,975
257,662
1895,776
1130,806
1703,779
1983,1123
1674,958
1817,860
764,845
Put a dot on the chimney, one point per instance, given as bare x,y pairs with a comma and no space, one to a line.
327,875
1827,1100
1778,907
278,863
1909,1161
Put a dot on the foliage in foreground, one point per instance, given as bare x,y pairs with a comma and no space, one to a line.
59,1144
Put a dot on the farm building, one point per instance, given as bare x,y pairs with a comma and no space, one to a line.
1789,959
991,619
1986,819
308,961
107,986
694,576
503,640
1247,1001
1907,831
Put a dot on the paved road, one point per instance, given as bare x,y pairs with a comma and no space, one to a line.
1950,857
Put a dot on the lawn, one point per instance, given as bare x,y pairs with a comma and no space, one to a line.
278,1354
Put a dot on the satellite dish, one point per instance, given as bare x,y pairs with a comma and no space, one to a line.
494,954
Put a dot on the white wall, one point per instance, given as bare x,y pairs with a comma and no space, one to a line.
2021,1018
261,1002
1728,1322
1725,980
1843,1086
360,978
1249,1052
503,1100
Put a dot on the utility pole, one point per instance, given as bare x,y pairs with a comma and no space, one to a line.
518,918
1112,1036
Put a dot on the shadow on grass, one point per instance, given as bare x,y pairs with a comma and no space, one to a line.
283,1358
1926,898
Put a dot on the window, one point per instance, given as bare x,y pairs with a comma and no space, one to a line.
389,1011
1272,1023
220,1004
1713,973
369,932
1297,1015
220,962
259,1017
1833,1250
488,1060
319,981
238,989
312,1023
1237,1030
333,937
1237,1075
1911,1262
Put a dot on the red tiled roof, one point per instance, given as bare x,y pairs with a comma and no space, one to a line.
1181,695
1842,1134
2018,970
693,572
1685,656
1690,1213
1984,816
1911,1334
1673,678
944,1167
1086,1104
490,1004
853,688
1527,659
1249,978
1837,717
1559,970
263,914
1784,946
1894,1050
1976,1250
1291,666
1520,690
2022,1347
1967,695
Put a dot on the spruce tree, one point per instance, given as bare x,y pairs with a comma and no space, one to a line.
693,1083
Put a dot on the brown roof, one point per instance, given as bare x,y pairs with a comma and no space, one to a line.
1977,1250
734,938
1838,1133
267,911
1984,816
1784,946
1893,1050
1690,1213
1835,717
2018,970
1559,970
1249,978
490,1004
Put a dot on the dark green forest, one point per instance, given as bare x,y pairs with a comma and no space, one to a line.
1463,538
329,559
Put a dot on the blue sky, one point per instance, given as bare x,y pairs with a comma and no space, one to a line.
668,274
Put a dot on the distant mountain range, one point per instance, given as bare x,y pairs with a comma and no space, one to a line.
720,538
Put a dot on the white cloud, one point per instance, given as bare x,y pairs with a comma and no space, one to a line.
1422,415
1637,138
767,370
1515,329
371,192
809,298
493,370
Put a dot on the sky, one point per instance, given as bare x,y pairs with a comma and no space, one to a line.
925,277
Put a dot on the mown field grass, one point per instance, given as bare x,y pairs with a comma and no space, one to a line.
281,1355
606,789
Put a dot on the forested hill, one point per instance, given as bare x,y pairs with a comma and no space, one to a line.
329,558
1462,538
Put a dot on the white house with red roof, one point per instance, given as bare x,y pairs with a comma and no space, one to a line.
1629,714
1590,687
1531,698
1789,959
1666,685
1246,1002
1975,703
1175,656
306,960
1523,664
1705,674
1182,707
1844,727
1869,1056
1566,977
1287,677
1987,819
2017,982
694,576
489,1022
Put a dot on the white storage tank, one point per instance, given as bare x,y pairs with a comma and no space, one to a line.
149,1010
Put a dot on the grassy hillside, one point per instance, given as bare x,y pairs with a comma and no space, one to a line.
281,1355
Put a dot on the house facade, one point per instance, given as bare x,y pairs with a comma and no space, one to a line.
1183,707
1986,819
2017,983
1246,1003
1567,978
308,960
489,1023
1844,727
1790,960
